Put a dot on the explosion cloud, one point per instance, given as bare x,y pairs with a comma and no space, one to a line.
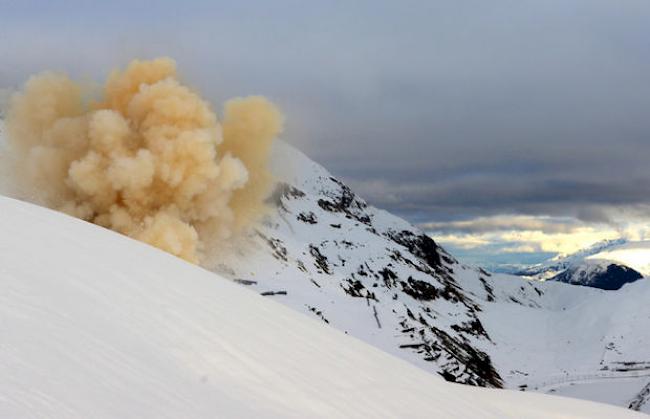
150,160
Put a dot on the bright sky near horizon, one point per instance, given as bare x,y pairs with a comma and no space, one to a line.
509,130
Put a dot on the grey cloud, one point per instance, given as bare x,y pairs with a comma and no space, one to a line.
504,223
471,196
437,110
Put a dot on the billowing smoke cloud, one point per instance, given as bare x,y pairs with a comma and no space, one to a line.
149,159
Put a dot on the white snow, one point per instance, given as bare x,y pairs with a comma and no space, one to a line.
96,325
612,391
581,332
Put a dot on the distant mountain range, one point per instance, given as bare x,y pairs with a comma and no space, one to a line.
558,264
601,274
607,265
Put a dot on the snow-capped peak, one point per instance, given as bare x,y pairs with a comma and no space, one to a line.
635,255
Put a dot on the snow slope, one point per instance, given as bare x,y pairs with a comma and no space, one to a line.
579,336
97,325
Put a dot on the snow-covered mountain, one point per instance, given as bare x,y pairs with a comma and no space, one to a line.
97,325
607,265
330,255
598,273
635,255
558,264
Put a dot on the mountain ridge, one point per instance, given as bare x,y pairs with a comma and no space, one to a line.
597,273
608,265
329,254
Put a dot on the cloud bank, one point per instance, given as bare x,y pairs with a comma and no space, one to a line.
436,111
148,159
507,239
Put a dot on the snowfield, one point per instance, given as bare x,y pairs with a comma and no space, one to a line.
94,324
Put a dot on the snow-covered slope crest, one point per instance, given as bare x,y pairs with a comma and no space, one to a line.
97,325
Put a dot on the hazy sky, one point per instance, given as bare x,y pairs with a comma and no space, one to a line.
510,128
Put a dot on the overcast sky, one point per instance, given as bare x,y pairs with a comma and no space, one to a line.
517,128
